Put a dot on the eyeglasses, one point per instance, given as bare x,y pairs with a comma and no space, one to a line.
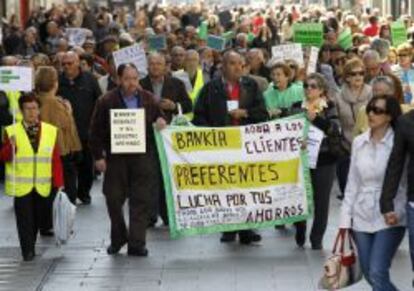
402,55
67,63
310,86
354,74
376,110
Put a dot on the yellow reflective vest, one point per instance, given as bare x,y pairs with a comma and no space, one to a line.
29,170
13,98
198,85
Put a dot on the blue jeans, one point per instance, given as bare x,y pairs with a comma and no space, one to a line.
376,251
410,226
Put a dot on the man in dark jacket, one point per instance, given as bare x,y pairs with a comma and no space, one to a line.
168,92
126,175
82,90
403,148
212,110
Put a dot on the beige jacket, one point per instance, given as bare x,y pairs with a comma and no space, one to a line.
54,111
348,107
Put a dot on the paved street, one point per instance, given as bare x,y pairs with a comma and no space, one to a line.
194,263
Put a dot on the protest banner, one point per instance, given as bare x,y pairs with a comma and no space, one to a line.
132,54
16,79
308,34
234,178
216,42
128,131
76,36
157,42
313,60
292,51
345,39
398,33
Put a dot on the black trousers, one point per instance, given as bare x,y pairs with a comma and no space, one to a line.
85,172
127,177
70,176
322,182
32,212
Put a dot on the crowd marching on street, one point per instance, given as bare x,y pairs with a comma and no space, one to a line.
350,74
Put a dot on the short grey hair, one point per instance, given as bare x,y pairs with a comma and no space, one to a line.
385,80
371,54
382,46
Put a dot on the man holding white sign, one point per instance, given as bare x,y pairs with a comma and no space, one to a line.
123,147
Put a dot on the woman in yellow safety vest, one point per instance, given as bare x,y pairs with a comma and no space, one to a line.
33,167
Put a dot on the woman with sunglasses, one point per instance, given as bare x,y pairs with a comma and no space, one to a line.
405,71
322,114
375,240
353,95
283,97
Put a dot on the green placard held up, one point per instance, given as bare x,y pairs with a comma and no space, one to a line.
308,34
398,33
345,39
203,30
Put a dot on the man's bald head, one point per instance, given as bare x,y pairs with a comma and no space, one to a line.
71,63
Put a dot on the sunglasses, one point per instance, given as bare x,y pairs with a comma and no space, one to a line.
376,110
310,86
402,55
354,74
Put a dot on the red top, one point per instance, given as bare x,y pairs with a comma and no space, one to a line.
372,30
57,170
233,92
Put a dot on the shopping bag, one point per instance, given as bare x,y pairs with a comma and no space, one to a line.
63,217
342,269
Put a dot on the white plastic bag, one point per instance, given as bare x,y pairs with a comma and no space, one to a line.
63,217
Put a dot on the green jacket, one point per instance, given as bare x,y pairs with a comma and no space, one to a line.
275,99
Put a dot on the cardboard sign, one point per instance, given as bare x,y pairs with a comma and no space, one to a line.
284,52
398,33
157,43
128,131
308,34
234,178
216,42
132,54
76,36
16,79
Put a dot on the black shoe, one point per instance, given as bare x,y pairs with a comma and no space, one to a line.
114,249
29,256
138,252
227,237
47,232
300,235
317,246
86,200
248,237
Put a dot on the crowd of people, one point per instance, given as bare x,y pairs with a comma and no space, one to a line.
359,96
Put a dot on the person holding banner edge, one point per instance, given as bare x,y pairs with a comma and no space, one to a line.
212,109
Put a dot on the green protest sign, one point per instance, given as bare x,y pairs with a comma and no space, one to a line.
308,34
203,30
216,42
157,42
234,178
250,37
398,33
345,39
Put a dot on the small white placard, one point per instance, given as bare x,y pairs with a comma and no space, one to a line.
293,51
128,131
16,79
132,54
232,105
315,137
313,60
